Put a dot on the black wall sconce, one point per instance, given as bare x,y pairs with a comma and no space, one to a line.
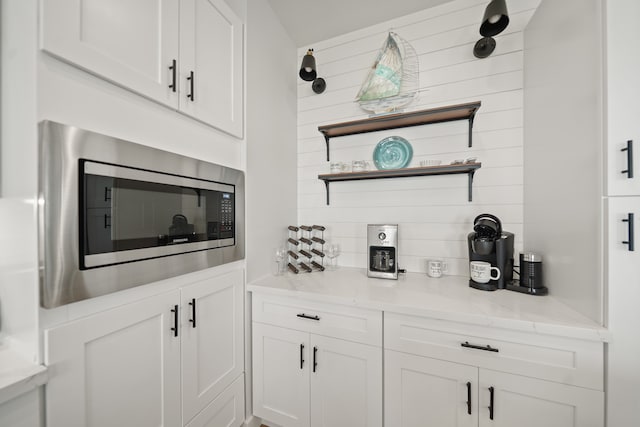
495,20
308,73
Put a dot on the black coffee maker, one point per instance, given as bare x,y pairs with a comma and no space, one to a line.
490,244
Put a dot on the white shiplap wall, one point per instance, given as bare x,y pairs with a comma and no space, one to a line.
433,213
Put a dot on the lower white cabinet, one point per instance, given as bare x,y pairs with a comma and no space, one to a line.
303,379
226,410
449,374
127,366
431,392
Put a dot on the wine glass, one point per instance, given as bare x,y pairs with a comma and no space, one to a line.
333,250
280,257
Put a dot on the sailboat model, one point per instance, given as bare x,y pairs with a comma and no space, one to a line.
392,82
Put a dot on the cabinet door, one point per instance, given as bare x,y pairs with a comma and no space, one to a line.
131,43
420,391
623,91
623,270
281,375
212,339
529,402
226,410
116,368
211,64
346,383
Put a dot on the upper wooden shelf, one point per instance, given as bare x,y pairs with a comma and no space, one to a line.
401,120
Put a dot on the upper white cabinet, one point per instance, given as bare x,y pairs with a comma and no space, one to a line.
211,64
131,43
623,91
185,54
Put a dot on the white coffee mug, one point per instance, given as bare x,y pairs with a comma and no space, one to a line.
481,272
436,267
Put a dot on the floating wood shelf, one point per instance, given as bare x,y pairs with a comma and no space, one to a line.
401,120
468,168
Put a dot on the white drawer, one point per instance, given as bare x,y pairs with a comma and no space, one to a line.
559,359
332,320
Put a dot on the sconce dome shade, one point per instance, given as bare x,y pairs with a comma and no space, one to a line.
308,67
495,18
484,47
319,85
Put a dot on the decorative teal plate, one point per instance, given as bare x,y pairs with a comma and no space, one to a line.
393,152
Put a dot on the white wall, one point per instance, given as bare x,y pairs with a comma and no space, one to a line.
433,213
271,136
562,150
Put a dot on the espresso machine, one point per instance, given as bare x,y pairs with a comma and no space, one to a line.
382,250
490,244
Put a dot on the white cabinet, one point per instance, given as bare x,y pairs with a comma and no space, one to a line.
131,43
449,374
226,410
185,54
119,367
529,402
623,92
429,392
324,370
623,271
211,52
128,365
212,337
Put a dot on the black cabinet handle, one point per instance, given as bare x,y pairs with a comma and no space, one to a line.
479,347
191,94
469,398
172,86
630,220
306,316
301,356
107,220
629,150
107,194
315,362
174,310
193,312
491,403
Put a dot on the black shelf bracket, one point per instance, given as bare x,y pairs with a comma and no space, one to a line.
471,118
326,140
471,184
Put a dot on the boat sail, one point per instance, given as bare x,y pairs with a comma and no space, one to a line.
392,82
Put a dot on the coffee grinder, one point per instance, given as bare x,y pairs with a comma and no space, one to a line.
382,251
490,244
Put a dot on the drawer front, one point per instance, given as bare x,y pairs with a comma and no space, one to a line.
333,320
559,359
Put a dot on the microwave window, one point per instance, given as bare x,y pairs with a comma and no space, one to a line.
122,214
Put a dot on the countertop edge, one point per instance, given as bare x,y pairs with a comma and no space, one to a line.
584,332
18,376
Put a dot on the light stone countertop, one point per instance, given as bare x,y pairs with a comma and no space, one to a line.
447,298
18,375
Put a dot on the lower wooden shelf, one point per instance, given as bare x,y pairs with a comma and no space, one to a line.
465,168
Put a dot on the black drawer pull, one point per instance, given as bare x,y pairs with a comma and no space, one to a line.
479,347
301,356
630,220
193,312
175,320
172,86
315,358
306,316
491,403
629,150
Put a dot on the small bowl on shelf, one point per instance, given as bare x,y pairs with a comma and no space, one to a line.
457,162
431,162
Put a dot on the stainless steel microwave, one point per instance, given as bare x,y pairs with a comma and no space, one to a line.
115,214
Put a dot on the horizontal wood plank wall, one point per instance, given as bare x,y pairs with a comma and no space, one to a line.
433,213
